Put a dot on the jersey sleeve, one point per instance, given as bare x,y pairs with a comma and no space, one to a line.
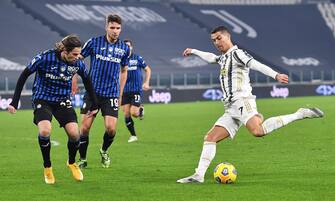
207,56
141,62
87,48
242,57
125,58
35,63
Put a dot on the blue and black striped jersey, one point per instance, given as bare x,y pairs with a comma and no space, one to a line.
53,78
106,62
134,77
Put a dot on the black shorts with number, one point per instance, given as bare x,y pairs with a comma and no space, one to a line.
132,98
62,111
108,106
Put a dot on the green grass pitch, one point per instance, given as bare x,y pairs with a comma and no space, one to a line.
294,163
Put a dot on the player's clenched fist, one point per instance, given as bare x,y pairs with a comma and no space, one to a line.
187,52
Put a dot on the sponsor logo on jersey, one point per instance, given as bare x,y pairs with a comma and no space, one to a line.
133,62
72,69
223,72
119,51
62,68
35,59
132,68
109,58
60,77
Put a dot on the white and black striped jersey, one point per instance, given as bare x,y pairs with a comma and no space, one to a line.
234,74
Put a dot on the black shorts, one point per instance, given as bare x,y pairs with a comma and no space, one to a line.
62,111
132,98
108,106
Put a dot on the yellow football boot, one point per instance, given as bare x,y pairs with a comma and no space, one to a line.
76,172
49,176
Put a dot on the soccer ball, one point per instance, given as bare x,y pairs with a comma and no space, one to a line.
225,173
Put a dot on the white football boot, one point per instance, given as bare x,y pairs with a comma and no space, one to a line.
195,178
132,139
310,113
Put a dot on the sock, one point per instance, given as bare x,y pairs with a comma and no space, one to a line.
72,146
45,147
130,125
84,141
207,155
274,123
108,140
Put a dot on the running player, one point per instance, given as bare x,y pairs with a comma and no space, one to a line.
132,94
108,71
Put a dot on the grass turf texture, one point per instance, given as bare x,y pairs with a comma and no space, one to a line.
293,163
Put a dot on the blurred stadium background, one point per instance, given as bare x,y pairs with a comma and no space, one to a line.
296,37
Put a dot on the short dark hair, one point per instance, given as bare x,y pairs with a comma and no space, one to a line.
128,41
113,18
221,29
68,43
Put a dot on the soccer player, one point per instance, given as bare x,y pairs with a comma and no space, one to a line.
108,71
131,98
240,104
51,97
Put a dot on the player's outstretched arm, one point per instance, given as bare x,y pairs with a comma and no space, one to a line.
18,89
207,56
266,70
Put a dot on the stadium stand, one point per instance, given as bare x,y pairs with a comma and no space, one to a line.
160,35
292,36
21,38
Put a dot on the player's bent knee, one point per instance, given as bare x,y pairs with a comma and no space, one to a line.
85,129
45,132
73,132
257,132
210,138
111,130
134,114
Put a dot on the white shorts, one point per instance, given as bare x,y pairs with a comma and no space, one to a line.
236,114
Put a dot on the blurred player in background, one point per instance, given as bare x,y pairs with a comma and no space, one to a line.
108,71
51,97
240,104
131,98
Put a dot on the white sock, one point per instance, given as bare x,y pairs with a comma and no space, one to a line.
274,123
207,155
